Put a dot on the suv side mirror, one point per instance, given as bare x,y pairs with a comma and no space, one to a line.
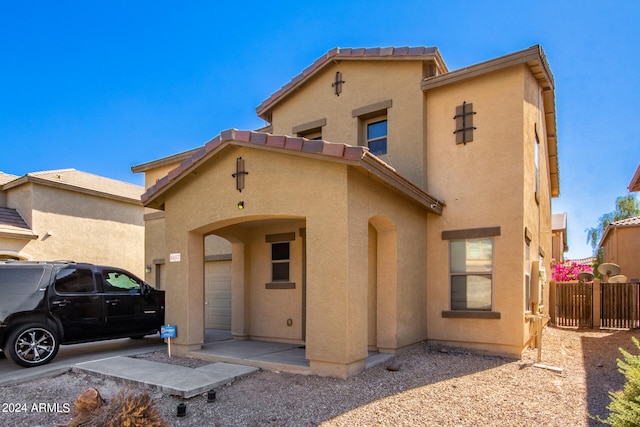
145,289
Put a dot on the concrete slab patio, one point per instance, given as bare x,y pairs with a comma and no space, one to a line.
170,379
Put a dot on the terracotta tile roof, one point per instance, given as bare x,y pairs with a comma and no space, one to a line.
354,155
75,180
13,225
629,222
388,53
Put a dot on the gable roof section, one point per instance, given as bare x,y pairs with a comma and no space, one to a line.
82,182
420,53
12,225
634,185
623,223
536,60
359,157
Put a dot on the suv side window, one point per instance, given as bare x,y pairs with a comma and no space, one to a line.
117,281
74,280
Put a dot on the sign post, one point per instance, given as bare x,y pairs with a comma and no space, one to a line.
168,332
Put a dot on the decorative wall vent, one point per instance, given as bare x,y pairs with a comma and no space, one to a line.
464,123
337,84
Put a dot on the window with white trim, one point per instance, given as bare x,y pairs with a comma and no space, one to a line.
471,272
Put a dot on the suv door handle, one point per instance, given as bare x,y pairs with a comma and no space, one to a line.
61,303
112,301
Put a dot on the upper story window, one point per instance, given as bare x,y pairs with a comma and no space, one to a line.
310,130
372,126
377,136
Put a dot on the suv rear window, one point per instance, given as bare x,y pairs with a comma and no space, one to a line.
20,281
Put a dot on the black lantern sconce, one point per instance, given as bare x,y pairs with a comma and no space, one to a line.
337,84
239,174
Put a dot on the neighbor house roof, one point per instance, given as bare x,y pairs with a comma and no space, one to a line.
351,54
356,156
629,222
82,182
13,225
536,60
634,185
5,177
559,221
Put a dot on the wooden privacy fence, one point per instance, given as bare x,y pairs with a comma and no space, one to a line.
595,305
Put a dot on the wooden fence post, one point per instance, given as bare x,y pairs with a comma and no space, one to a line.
596,297
552,301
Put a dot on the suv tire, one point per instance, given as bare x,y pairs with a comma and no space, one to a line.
32,344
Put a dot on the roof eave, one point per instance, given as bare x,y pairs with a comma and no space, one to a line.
349,54
634,185
37,180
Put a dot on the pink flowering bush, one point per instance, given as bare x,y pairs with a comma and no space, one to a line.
568,271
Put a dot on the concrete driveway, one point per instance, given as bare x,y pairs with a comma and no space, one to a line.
69,355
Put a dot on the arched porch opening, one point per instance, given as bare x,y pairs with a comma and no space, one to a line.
263,260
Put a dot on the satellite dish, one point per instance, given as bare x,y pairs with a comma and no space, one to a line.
608,269
585,276
620,278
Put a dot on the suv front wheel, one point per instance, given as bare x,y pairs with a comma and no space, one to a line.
32,344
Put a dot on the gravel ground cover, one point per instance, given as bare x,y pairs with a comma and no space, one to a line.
432,386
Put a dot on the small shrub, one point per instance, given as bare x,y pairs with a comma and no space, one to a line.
625,405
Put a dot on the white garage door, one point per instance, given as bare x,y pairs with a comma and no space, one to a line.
217,295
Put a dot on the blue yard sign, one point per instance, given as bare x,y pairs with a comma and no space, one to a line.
168,331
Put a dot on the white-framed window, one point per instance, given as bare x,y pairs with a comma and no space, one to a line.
280,261
376,135
471,272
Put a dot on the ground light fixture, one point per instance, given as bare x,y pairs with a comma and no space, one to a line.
182,410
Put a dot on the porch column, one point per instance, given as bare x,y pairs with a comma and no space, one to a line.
185,293
239,292
337,285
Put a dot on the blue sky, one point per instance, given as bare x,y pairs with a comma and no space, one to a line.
101,86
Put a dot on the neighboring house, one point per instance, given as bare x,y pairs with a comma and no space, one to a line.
558,237
72,215
634,185
389,201
621,245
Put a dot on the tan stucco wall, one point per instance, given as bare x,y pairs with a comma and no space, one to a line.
366,83
82,227
622,247
479,183
279,199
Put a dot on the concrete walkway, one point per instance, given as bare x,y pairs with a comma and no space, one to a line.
170,379
230,359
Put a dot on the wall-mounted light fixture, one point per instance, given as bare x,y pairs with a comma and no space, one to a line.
148,268
240,205
239,174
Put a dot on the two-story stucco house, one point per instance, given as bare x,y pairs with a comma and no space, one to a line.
72,215
388,201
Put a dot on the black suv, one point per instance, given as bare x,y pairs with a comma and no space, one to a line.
45,304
